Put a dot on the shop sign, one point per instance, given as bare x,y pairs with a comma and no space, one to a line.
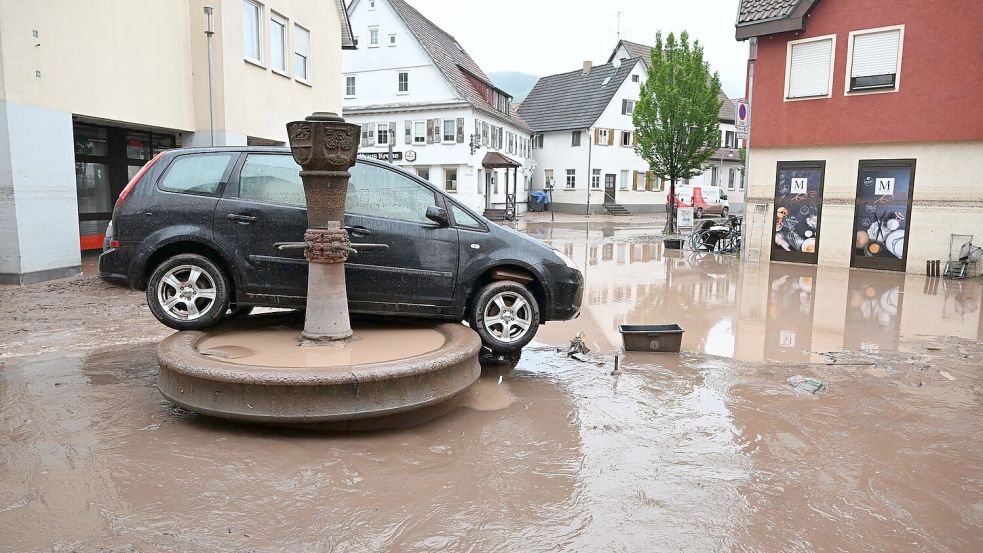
798,211
397,156
883,214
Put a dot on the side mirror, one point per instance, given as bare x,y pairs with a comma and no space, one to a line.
438,215
723,196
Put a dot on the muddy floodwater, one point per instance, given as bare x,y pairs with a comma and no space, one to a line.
708,450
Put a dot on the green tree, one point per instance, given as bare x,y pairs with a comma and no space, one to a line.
677,115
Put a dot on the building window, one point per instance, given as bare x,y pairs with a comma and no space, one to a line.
730,139
602,136
537,142
731,178
373,37
627,107
548,178
278,43
571,178
419,132
450,180
595,179
349,86
450,130
392,39
371,4
626,138
382,134
302,49
424,173
404,82
635,78
575,138
252,38
624,181
874,60
809,67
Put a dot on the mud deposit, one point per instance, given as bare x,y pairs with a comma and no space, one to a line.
710,450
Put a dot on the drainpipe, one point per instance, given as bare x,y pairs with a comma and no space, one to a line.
590,150
209,31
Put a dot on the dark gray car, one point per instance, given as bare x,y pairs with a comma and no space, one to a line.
198,229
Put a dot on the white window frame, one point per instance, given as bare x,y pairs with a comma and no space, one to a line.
628,134
849,61
354,86
422,136
376,43
371,4
788,66
602,137
392,40
625,176
443,131
277,19
570,183
306,76
447,171
595,179
259,36
380,128
399,83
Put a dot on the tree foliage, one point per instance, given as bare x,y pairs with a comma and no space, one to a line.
677,115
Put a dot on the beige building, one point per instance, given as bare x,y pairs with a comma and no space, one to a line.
90,91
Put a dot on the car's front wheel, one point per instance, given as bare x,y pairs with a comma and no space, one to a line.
699,213
188,292
506,316
725,212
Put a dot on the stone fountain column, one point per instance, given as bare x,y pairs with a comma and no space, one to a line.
325,147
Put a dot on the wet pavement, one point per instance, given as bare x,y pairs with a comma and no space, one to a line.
710,450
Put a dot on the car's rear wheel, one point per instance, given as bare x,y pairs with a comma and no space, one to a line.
506,316
188,292
699,213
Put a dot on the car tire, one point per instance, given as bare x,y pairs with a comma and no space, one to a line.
201,289
724,212
505,315
699,213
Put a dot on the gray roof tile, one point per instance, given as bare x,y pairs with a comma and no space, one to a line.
450,58
754,11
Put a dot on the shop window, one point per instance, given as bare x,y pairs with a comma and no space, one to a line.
798,211
196,174
874,60
809,67
882,216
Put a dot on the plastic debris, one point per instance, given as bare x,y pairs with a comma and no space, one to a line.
947,375
806,384
578,348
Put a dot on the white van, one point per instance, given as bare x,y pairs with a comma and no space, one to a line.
705,200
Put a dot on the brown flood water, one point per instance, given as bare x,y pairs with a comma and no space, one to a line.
709,450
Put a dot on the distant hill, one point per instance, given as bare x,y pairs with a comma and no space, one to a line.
515,83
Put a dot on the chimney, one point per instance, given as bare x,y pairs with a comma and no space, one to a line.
587,66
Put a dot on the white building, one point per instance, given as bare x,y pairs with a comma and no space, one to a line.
91,91
584,141
416,92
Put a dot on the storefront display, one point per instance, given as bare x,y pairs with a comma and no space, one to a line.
798,210
883,213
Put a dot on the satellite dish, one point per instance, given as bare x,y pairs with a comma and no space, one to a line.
530,164
616,63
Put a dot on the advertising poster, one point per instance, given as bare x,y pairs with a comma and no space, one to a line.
882,217
791,303
798,210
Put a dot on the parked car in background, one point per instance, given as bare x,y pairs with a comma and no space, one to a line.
705,200
198,229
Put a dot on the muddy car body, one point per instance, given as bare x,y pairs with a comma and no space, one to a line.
199,229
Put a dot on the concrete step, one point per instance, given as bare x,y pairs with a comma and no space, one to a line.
616,209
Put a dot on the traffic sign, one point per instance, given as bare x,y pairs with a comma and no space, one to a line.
743,118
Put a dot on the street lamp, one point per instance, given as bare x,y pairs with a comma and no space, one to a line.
209,31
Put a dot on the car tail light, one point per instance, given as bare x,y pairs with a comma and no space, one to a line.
136,178
114,244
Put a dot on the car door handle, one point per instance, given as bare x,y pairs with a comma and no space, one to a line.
358,231
241,219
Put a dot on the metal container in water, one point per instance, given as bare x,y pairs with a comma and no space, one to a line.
652,338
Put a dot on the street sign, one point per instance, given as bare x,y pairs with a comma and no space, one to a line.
743,118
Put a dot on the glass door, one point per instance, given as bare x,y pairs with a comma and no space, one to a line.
883,214
798,211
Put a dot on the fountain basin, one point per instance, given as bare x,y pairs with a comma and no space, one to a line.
252,371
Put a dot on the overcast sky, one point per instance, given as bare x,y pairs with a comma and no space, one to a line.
544,37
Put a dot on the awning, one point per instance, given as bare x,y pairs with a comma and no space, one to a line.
495,160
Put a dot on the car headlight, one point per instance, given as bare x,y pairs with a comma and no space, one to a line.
566,260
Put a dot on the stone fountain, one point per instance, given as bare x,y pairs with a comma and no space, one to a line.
263,371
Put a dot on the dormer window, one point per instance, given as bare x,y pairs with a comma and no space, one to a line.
371,4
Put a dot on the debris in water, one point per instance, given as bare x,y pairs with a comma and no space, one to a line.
947,375
806,384
577,346
579,357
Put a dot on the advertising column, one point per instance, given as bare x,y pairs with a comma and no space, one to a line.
798,210
883,214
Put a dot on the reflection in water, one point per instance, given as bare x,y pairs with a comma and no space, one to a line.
777,311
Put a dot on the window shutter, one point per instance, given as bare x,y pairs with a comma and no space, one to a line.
302,41
460,130
876,53
610,137
649,181
634,180
409,132
370,139
809,69
429,131
597,136
392,132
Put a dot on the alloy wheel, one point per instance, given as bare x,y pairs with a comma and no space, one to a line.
186,292
508,316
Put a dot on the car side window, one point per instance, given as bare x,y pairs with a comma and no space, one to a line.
464,219
379,192
196,174
271,179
